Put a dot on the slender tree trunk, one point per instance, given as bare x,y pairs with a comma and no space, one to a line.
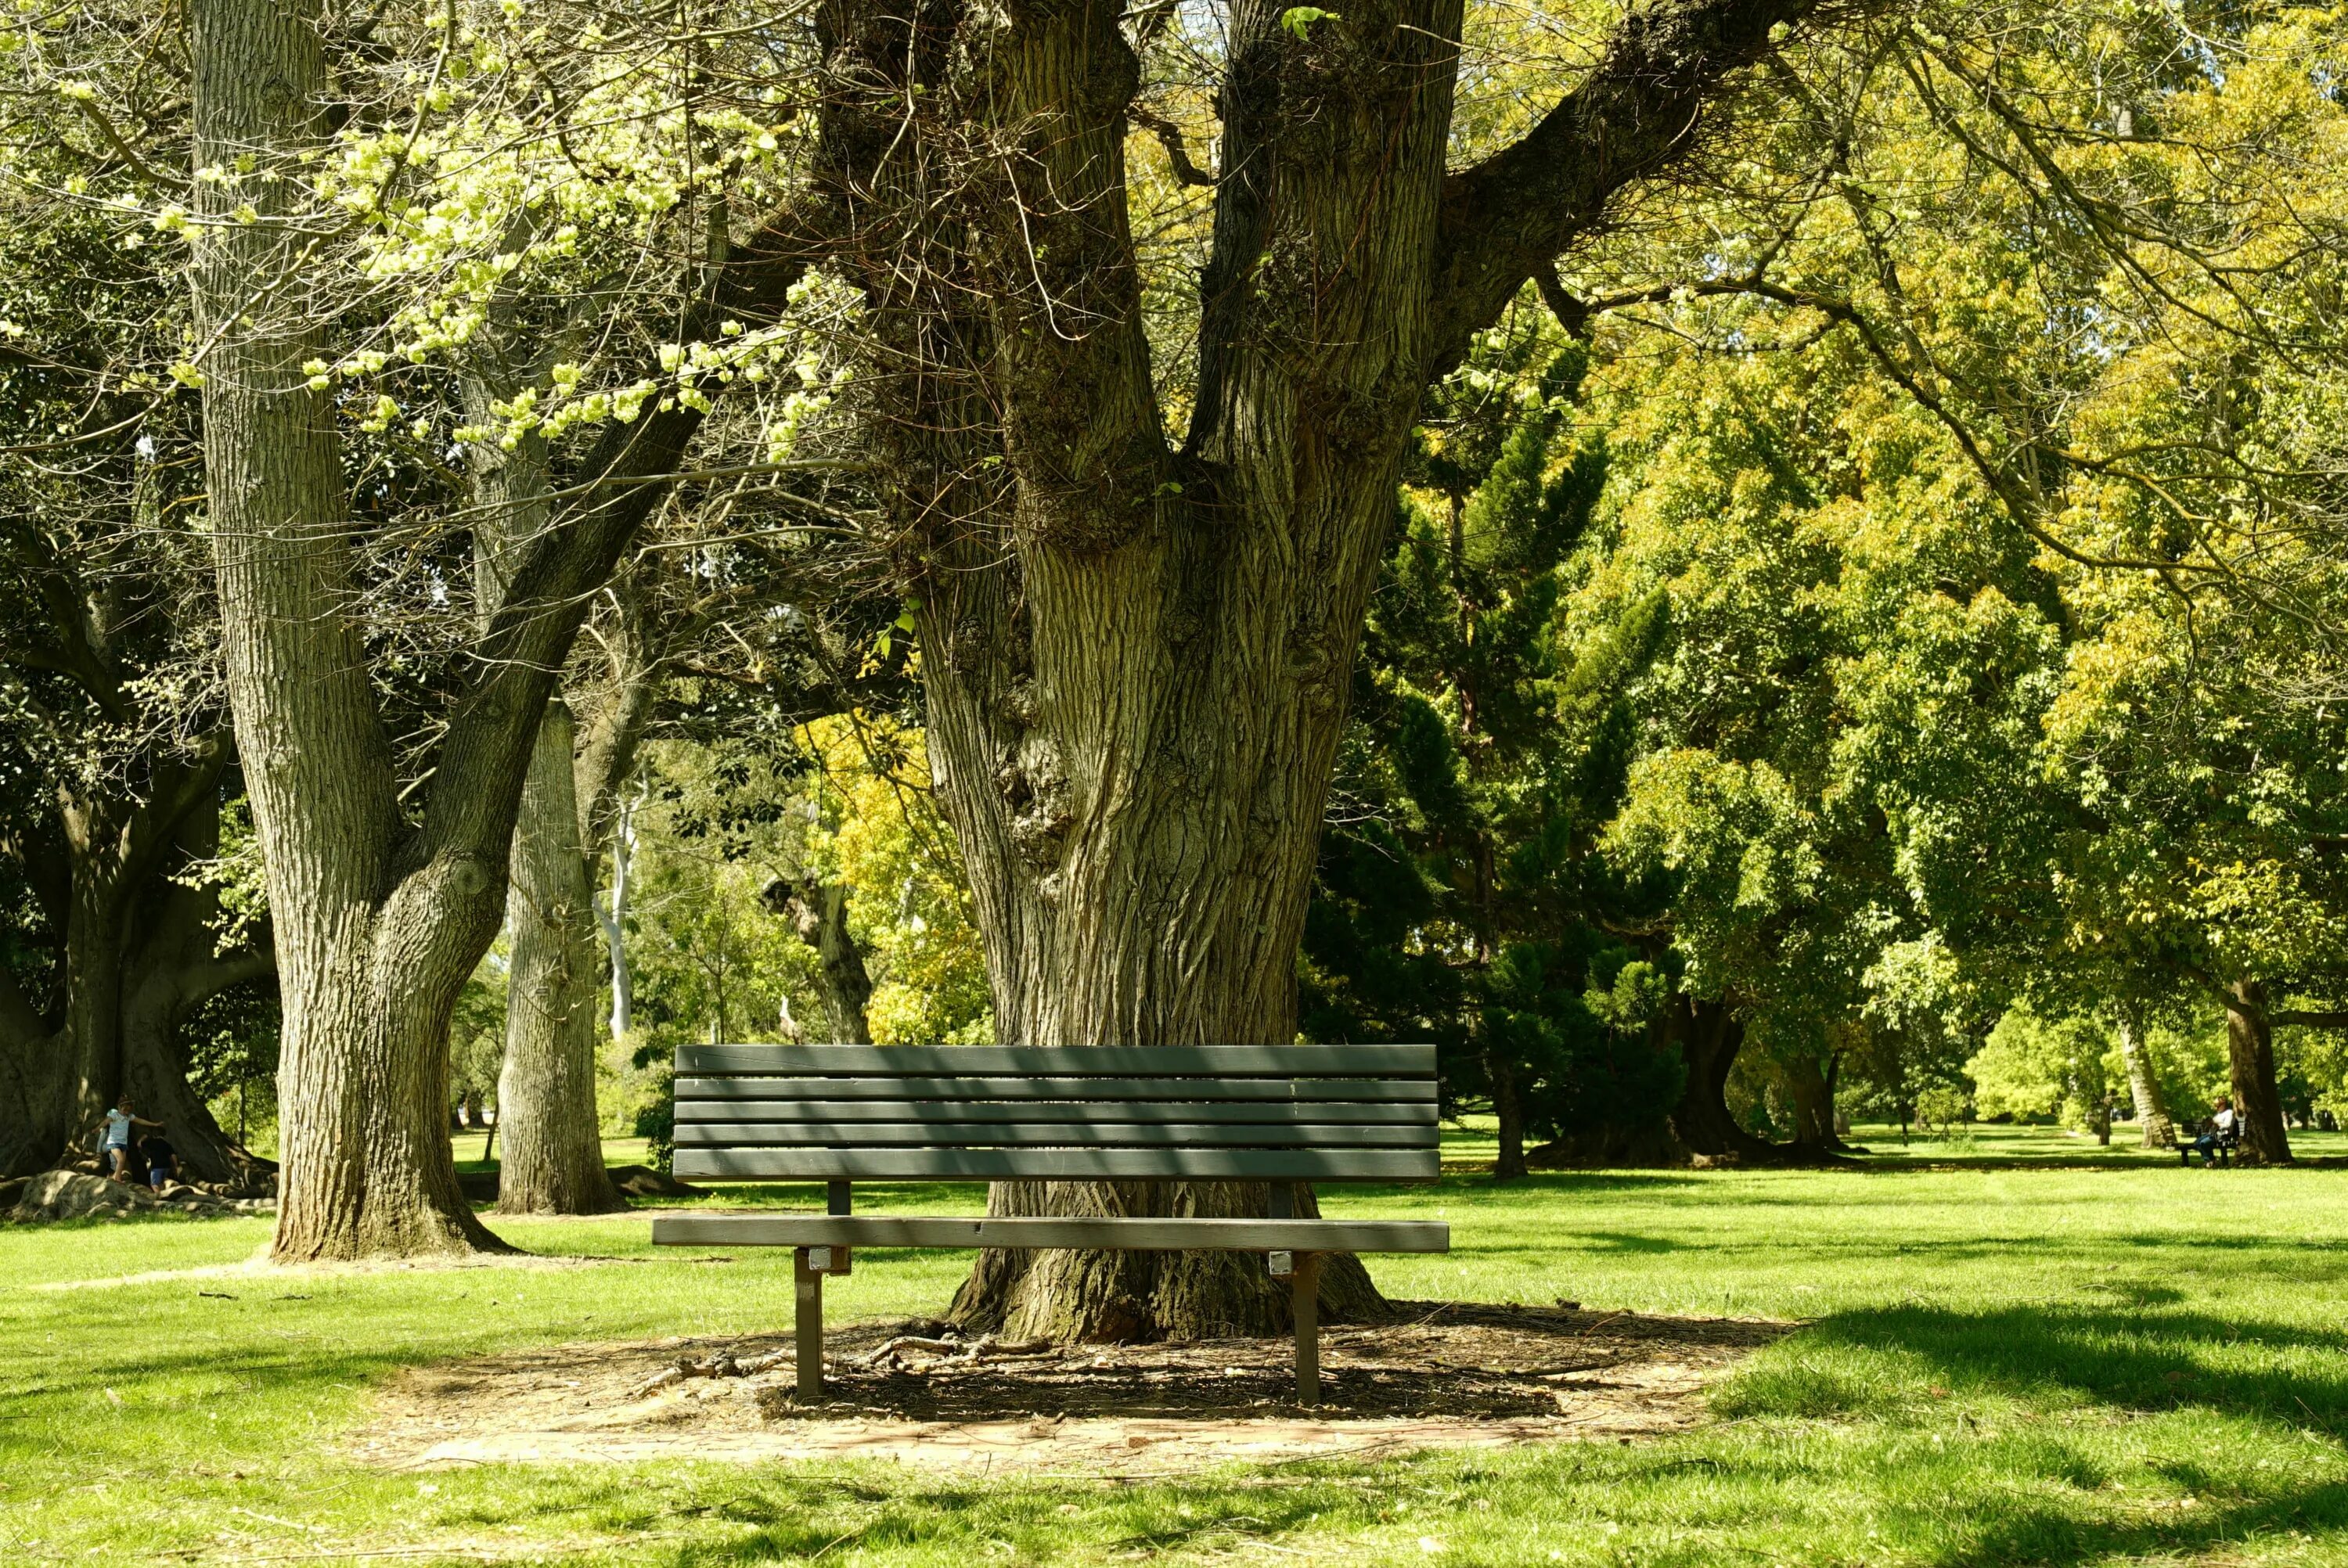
1509,1106
553,1161
613,915
2250,1050
546,1090
2153,1122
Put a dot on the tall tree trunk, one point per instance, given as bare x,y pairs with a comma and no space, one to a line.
379,919
553,1159
613,915
370,954
2250,1050
2153,1122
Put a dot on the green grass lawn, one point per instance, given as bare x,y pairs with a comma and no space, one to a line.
2103,1360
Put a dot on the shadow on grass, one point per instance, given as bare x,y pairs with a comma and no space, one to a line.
2121,1357
2046,1535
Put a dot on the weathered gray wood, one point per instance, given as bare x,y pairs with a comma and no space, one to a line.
1062,1061
1300,1113
1050,1135
1104,1233
752,1086
1060,1164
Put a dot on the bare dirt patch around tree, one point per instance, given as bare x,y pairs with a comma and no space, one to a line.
1443,1375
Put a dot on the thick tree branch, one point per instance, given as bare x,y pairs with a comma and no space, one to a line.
1504,219
1169,137
488,746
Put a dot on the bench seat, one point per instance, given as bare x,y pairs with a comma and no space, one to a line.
1107,1234
1281,1116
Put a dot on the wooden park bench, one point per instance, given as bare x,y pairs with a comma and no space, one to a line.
846,1113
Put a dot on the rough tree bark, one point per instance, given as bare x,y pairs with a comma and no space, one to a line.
553,1157
2154,1123
378,918
1135,656
2250,1050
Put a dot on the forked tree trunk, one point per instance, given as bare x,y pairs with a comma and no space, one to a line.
2154,1125
371,953
379,919
1136,659
553,1161
2250,1050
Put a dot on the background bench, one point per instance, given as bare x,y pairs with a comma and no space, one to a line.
844,1114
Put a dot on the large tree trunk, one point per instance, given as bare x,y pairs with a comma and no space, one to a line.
2250,1050
1136,659
553,1159
137,956
370,954
1710,1035
1812,1089
379,918
2154,1124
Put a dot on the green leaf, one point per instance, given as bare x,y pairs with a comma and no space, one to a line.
1298,19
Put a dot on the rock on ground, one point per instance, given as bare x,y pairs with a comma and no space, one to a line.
71,1195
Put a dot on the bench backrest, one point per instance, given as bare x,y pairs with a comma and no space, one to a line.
903,1113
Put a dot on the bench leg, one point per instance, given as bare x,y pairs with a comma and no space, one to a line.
806,1325
1304,1300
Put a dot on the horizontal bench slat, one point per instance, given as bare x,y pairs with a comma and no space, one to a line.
1127,1234
1056,1112
1061,1135
1254,1090
1059,1165
1068,1061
